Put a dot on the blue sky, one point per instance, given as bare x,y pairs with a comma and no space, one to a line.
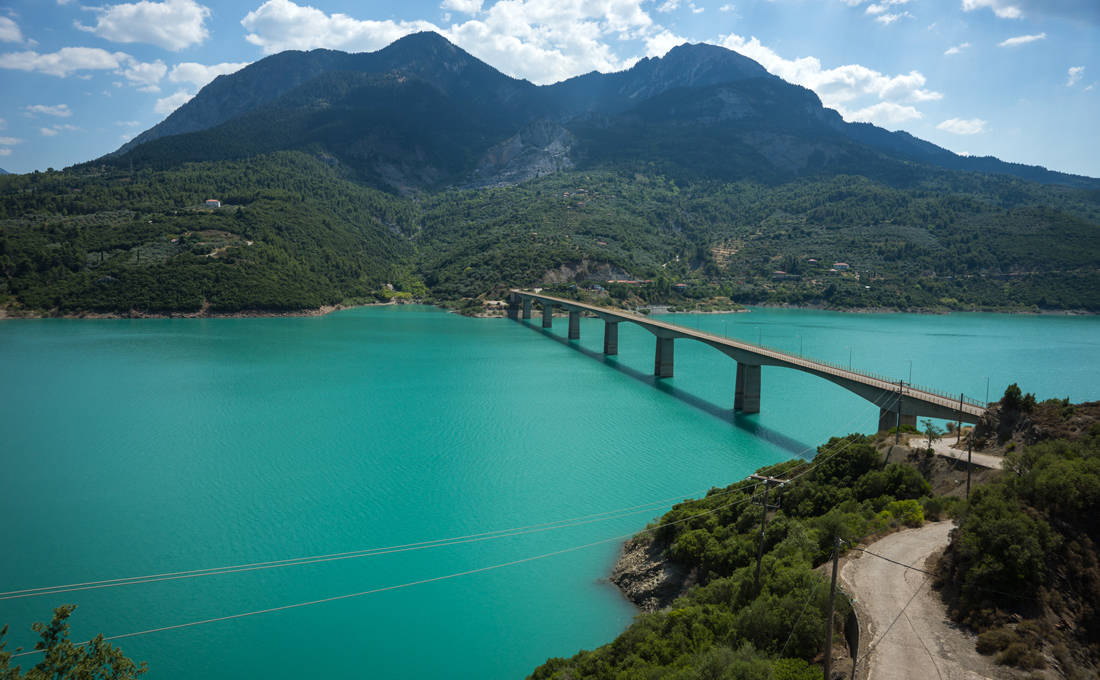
1018,79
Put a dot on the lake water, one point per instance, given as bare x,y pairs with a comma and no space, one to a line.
151,446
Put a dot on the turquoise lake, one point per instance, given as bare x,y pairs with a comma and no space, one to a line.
150,446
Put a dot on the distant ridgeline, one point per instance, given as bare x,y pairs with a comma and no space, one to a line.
420,172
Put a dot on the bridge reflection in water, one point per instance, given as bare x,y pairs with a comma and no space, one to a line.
899,403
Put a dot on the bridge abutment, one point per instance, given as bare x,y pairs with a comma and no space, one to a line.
574,324
611,338
746,394
662,360
547,315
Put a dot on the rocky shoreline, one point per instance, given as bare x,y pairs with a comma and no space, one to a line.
646,578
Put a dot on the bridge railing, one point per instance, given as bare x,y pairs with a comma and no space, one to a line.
950,398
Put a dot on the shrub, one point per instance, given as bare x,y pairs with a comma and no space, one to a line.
1021,655
908,512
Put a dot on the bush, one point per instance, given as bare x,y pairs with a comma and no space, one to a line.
993,641
1021,655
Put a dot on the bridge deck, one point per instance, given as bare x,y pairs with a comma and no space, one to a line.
768,356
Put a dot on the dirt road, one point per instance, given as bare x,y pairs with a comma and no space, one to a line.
943,447
919,643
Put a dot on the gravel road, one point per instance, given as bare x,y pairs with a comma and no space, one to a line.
921,643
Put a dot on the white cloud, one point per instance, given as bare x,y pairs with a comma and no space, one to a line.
166,105
279,25
727,8
464,6
885,114
1022,40
958,126
59,110
128,123
145,75
696,10
542,40
8,141
956,49
845,88
5,152
669,6
172,24
887,19
48,132
9,31
200,74
3,123
65,61
1003,9
57,129
658,45
1074,75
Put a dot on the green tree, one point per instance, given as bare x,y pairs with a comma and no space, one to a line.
931,430
64,660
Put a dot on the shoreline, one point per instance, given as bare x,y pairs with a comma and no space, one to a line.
6,314
325,310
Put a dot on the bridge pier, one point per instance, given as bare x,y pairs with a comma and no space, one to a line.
526,307
547,315
611,338
888,419
746,393
574,324
662,359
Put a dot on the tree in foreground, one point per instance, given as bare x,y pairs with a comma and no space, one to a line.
64,660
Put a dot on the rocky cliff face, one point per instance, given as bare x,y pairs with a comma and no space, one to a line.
540,148
646,578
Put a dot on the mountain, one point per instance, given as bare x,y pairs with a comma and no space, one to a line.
422,113
420,172
4,172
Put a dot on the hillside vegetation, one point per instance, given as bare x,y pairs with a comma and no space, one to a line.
294,233
724,627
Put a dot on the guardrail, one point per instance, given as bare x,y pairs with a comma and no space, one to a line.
943,397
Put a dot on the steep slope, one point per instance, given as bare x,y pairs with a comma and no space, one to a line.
427,56
392,131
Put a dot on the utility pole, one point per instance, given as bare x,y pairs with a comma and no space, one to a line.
768,482
897,430
829,621
969,464
958,427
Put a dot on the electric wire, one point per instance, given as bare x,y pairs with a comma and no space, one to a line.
393,587
371,552
812,464
365,552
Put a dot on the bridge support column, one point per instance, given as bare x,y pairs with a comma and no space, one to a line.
574,324
527,308
746,394
662,360
611,338
547,314
888,419
513,306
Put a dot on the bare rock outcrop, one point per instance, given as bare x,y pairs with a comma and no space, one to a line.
647,578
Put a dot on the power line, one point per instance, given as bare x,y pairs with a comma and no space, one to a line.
742,501
366,552
385,550
389,588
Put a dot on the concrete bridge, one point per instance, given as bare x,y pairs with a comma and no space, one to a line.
897,401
